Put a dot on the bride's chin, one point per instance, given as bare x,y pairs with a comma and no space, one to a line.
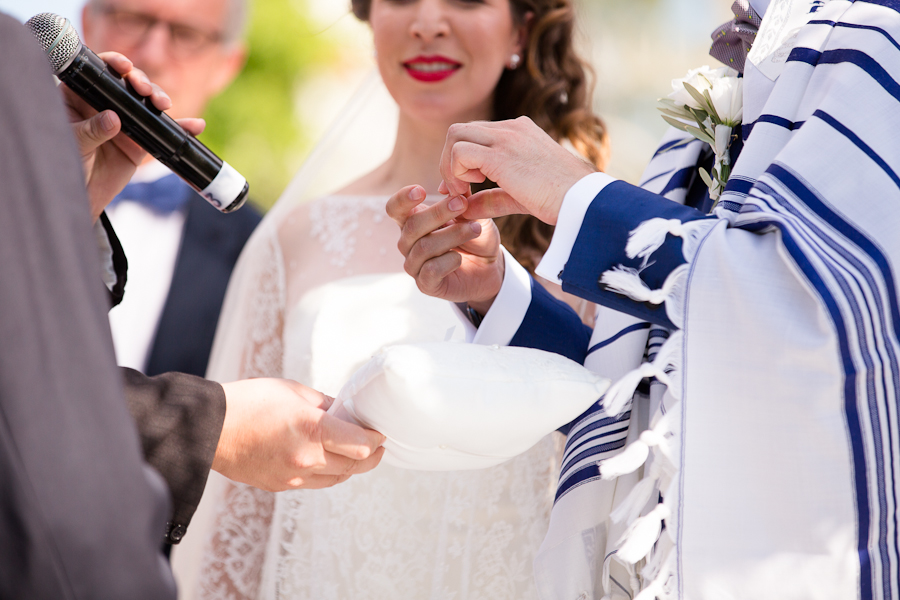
441,112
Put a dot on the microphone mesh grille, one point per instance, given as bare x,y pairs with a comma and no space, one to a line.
46,27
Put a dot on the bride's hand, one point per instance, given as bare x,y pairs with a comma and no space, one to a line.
277,436
449,257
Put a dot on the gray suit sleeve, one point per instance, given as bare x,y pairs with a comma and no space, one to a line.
80,514
179,419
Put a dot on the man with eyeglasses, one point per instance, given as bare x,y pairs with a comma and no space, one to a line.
180,250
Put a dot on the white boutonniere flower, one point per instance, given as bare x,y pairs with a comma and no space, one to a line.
708,104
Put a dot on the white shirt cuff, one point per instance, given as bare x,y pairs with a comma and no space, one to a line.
505,317
571,215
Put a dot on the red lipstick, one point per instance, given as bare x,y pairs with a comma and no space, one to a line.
430,69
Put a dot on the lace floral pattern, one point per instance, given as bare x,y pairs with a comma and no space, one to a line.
394,533
336,222
233,564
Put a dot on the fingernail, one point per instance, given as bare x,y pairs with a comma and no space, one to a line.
145,79
442,188
475,226
106,121
456,204
417,194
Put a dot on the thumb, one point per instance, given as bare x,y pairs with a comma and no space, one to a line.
347,439
93,132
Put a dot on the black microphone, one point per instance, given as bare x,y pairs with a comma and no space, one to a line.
156,132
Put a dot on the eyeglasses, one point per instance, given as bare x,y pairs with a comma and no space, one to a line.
134,27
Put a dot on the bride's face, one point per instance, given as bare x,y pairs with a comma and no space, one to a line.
442,59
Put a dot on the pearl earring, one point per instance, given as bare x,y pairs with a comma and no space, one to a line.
514,61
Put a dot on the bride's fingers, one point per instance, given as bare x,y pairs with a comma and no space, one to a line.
428,220
403,203
432,278
439,243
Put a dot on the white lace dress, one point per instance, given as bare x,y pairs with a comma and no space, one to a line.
325,289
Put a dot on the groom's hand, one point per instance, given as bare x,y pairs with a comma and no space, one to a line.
277,436
533,171
450,258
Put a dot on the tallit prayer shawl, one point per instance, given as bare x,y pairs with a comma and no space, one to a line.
767,465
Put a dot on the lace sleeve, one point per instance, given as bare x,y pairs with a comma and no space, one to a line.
248,344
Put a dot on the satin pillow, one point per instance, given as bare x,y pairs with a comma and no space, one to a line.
455,406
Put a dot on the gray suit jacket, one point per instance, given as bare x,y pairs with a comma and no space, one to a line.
80,515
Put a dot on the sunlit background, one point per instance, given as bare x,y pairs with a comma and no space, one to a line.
308,56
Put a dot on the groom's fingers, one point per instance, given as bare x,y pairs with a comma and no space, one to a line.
492,203
468,153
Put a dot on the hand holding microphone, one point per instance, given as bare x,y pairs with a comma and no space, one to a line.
139,111
109,157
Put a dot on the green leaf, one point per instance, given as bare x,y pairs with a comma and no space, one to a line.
700,135
699,114
675,114
706,178
701,100
674,123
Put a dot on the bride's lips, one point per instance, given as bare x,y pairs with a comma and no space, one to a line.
430,69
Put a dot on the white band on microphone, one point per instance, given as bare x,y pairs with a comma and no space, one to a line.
225,188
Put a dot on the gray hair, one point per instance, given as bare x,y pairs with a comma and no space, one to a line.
237,17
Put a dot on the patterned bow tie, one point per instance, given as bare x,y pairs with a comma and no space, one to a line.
165,195
732,41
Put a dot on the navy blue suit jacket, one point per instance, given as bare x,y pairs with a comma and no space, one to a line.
210,246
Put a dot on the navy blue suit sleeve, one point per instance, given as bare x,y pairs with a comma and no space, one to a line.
600,246
552,325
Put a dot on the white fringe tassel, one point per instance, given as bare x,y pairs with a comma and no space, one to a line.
650,235
635,454
633,504
657,588
667,360
637,542
647,237
627,281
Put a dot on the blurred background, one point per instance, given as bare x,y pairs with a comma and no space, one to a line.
308,57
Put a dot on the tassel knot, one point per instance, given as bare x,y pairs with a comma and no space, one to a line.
642,535
647,237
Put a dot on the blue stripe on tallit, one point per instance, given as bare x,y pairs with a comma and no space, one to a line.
874,253
610,340
862,27
609,444
681,179
583,476
683,142
859,273
857,141
655,177
853,421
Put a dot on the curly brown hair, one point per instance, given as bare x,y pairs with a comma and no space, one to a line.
553,87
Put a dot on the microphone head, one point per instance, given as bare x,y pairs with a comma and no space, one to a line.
57,37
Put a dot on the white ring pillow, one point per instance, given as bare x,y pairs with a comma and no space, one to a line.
455,406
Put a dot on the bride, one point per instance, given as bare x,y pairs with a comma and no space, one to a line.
320,288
